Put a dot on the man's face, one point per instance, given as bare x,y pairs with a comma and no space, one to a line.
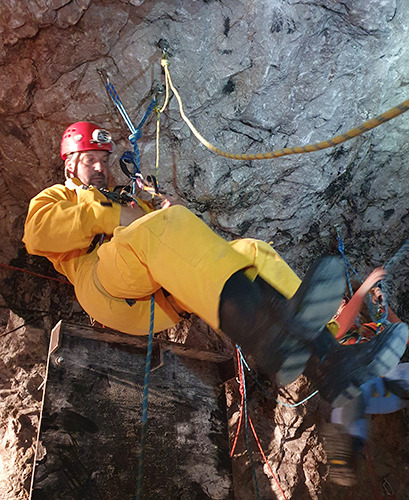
90,167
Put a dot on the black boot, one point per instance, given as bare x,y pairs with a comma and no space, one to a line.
338,371
256,317
277,332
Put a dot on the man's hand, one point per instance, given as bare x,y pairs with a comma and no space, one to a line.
378,274
130,214
169,200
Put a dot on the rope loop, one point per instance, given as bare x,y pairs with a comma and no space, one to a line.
329,143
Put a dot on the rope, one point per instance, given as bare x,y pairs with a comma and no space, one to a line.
136,132
117,101
398,255
246,433
145,403
346,262
294,405
376,493
287,405
24,324
243,410
157,143
33,273
265,459
133,138
334,141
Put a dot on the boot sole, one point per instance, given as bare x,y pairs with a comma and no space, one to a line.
295,359
320,294
313,305
338,447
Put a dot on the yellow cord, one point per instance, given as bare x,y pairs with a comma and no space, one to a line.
157,144
365,127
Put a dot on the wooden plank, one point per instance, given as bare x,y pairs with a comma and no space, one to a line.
91,421
113,336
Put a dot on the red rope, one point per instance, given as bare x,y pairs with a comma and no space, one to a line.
375,490
241,389
241,404
265,458
34,274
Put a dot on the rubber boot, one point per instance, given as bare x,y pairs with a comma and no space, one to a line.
339,370
258,322
275,331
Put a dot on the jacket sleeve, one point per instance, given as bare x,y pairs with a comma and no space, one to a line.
60,220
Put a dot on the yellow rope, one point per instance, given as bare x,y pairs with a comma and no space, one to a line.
365,127
157,143
158,113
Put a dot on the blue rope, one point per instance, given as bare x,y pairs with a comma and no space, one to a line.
346,262
133,138
118,103
296,404
146,115
145,403
136,133
253,470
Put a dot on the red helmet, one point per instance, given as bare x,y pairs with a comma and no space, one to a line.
85,136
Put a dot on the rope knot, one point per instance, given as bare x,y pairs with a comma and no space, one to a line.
135,136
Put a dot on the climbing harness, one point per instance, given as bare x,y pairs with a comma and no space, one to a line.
334,141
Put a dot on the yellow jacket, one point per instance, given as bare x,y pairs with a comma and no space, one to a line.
61,224
169,248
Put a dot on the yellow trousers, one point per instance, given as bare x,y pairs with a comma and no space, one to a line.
172,249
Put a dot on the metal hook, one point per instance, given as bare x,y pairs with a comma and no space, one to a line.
387,487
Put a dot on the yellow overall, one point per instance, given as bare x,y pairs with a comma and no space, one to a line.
169,249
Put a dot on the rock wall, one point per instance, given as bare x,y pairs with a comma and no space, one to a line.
254,77
23,350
